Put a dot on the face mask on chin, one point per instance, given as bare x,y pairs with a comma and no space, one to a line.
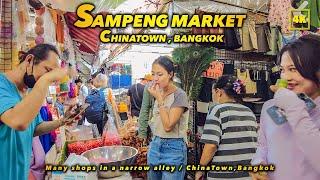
29,80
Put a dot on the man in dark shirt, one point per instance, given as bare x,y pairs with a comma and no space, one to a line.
135,95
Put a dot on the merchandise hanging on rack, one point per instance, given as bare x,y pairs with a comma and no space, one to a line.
57,18
6,32
231,38
244,76
49,27
279,14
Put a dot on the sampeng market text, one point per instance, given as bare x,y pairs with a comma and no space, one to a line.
86,20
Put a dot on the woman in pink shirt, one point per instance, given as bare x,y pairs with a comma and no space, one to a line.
293,146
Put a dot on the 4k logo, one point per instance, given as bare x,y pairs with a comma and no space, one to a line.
299,19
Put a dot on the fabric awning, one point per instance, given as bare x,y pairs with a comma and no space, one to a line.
87,40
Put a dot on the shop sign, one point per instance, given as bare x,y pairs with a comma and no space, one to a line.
215,70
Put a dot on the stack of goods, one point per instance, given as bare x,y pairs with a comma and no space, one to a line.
129,138
80,147
137,143
110,139
141,160
128,128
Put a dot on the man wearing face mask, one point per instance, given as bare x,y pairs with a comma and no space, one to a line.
20,105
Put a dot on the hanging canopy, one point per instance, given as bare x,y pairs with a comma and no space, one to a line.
87,40
71,5
221,6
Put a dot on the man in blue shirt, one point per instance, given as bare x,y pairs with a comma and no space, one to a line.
19,108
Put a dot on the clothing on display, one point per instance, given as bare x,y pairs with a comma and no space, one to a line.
244,75
279,14
274,42
49,27
245,37
264,84
262,79
231,38
202,111
263,37
205,96
59,25
228,69
83,93
253,34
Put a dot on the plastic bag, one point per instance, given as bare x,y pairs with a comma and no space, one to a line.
110,134
75,160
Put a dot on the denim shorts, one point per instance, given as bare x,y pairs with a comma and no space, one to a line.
168,152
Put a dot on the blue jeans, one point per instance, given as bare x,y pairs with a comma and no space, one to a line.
168,152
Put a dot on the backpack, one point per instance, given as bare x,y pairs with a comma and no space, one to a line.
97,110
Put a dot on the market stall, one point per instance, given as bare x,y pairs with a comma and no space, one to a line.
249,53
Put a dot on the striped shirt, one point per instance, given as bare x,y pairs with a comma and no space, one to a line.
233,128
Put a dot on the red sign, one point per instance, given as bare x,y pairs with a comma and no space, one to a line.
215,70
